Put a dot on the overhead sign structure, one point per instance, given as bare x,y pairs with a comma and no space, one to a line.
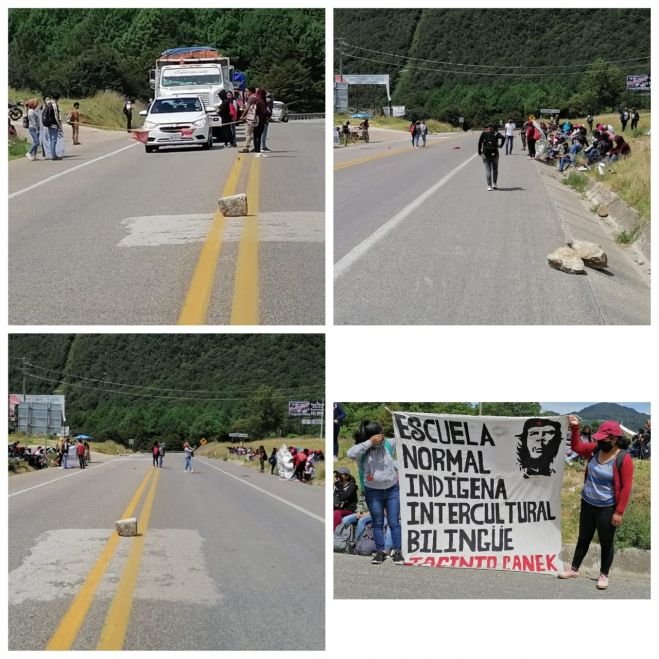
639,82
306,407
380,79
481,492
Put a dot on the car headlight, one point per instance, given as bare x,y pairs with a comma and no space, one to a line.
150,125
200,123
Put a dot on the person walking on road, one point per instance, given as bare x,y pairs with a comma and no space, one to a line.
378,477
423,132
33,127
128,113
488,148
605,495
155,453
263,456
269,105
531,138
161,454
189,454
80,452
510,134
249,116
50,119
74,122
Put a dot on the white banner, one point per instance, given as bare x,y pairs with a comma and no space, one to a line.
285,466
481,492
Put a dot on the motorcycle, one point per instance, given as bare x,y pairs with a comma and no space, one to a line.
15,111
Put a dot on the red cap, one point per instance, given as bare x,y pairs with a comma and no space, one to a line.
608,429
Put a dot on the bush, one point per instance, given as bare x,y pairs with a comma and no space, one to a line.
576,181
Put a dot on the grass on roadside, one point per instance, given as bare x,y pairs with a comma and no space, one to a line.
18,148
576,181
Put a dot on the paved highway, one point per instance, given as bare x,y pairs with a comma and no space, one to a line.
418,239
356,578
112,235
227,559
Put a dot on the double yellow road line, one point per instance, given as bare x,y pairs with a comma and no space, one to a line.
245,303
116,622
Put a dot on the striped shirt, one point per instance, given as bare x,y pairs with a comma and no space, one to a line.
598,490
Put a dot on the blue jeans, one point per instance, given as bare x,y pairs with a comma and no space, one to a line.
264,136
362,522
509,144
378,501
53,134
188,462
34,134
564,163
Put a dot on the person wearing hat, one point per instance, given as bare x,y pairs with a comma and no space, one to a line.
345,495
605,495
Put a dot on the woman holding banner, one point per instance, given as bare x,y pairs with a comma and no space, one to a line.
605,495
378,478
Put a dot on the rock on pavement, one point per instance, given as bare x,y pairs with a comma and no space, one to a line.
591,254
126,526
567,260
233,205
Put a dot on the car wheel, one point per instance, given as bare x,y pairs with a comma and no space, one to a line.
209,143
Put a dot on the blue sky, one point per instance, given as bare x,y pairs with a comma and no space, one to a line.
563,408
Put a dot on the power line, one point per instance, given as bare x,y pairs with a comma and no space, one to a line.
494,66
138,386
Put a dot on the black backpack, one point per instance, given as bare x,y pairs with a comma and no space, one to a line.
490,148
48,116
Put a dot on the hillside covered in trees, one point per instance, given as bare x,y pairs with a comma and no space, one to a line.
81,51
171,386
491,63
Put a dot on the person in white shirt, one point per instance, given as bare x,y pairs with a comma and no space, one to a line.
509,133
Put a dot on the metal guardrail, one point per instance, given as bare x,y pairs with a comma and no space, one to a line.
305,115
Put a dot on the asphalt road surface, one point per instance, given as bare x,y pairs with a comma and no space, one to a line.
418,239
226,559
113,235
356,578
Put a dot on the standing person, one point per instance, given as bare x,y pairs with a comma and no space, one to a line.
234,113
273,461
339,418
43,130
423,131
522,135
531,138
50,119
88,458
161,454
589,121
128,113
261,114
345,132
263,456
74,121
635,119
416,131
488,148
189,453
269,104
345,495
413,132
607,488
155,453
65,454
80,452
624,118
509,134
300,462
33,127
225,116
250,118
378,478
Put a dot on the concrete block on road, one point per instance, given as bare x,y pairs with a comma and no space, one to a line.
591,254
567,260
126,527
233,205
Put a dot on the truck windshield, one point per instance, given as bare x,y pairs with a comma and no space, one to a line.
169,105
191,77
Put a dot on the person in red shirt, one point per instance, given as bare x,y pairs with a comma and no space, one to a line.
300,461
605,495
80,452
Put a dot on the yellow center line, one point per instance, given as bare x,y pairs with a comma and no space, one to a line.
197,300
116,622
377,156
245,307
65,634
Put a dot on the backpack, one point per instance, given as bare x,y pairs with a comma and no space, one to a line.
48,116
619,458
344,538
366,544
490,149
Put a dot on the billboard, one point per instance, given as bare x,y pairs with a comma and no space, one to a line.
639,82
306,408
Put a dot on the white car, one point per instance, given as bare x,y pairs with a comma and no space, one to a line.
279,111
178,121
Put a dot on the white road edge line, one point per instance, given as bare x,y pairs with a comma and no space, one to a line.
75,473
273,496
69,171
344,264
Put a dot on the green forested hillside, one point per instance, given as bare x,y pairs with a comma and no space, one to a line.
628,416
446,63
175,386
81,51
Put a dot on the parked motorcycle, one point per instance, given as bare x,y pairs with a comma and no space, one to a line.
15,111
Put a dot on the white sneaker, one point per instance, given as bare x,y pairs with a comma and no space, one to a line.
494,186
489,188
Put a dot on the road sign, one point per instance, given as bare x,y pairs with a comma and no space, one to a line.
461,120
131,442
306,408
312,422
239,435
638,82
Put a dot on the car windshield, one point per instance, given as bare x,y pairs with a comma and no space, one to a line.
187,78
171,105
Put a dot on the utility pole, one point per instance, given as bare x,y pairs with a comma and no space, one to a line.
27,418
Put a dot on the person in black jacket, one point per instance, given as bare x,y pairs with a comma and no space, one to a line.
489,144
339,417
345,495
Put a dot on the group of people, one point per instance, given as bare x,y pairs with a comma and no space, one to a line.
419,132
46,128
256,115
158,451
304,460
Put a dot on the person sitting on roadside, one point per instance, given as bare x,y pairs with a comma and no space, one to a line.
345,495
619,151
